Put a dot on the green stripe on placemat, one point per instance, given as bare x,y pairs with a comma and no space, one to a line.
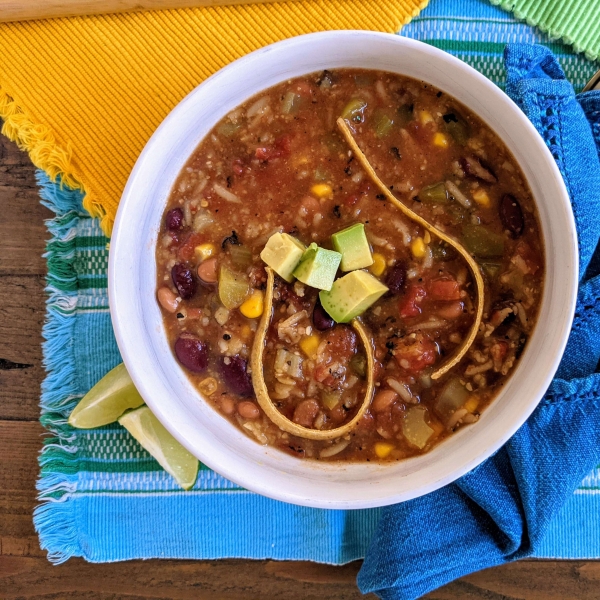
576,22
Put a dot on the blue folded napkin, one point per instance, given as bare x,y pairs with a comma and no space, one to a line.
500,511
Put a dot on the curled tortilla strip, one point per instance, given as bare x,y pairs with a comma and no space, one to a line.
260,387
455,358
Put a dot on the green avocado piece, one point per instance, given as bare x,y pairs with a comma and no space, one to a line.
318,267
282,253
353,245
351,295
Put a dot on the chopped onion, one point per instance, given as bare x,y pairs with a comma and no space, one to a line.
335,449
458,195
226,194
288,363
202,220
258,108
402,390
376,240
403,229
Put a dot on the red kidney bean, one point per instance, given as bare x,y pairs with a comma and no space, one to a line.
235,375
511,215
396,278
174,219
184,281
191,352
321,320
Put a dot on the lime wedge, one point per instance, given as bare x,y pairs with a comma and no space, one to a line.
169,453
106,401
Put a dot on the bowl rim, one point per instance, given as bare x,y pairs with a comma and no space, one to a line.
139,369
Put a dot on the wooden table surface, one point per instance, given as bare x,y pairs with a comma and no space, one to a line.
24,571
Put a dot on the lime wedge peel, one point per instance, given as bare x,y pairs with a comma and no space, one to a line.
106,401
167,451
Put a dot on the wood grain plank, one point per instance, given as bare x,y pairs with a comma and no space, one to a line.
10,10
22,310
20,443
35,579
22,229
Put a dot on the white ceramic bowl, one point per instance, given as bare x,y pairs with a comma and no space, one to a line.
138,323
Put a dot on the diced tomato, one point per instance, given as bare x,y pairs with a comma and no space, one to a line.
341,343
414,354
531,260
239,167
409,304
303,88
351,200
280,149
498,350
366,423
444,288
186,250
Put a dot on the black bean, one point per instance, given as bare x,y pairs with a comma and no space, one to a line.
235,375
395,279
511,215
321,320
191,352
184,281
174,219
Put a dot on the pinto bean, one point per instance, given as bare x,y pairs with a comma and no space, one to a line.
207,271
305,412
248,410
167,299
451,310
383,400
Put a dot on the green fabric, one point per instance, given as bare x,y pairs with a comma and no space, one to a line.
576,22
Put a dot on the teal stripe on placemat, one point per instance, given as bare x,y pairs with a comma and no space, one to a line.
106,499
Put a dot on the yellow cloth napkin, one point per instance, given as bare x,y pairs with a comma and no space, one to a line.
83,95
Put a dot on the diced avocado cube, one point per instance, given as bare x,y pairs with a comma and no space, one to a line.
353,245
318,267
351,295
282,253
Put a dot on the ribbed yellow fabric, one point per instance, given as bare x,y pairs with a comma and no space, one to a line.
83,95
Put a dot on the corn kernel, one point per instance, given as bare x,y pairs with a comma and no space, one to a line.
245,332
382,449
322,190
418,248
253,307
440,140
378,266
425,117
427,237
204,251
480,196
309,344
471,404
